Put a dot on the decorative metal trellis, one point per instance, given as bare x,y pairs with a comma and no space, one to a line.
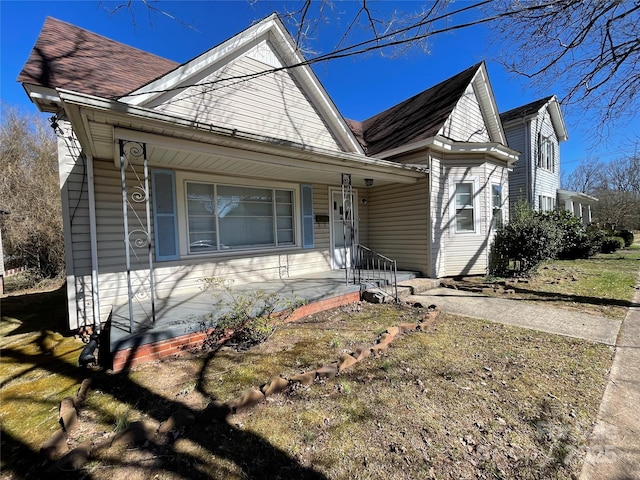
137,234
348,223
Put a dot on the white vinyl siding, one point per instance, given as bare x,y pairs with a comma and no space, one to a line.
466,123
271,105
185,275
519,176
398,225
72,171
466,253
537,171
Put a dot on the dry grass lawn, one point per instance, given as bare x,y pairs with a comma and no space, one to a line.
462,399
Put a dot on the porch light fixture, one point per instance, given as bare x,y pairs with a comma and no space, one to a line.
368,182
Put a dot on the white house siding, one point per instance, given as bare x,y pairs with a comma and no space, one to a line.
398,224
75,205
271,105
184,276
544,182
467,253
466,123
517,139
439,232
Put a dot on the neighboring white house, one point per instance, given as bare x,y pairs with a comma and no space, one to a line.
536,131
234,164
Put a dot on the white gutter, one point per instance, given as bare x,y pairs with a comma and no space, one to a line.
93,236
294,150
444,145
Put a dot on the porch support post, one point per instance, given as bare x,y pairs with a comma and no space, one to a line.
93,237
123,179
140,193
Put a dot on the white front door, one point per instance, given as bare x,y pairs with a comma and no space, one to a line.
343,235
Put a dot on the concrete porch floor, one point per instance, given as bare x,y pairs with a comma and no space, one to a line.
180,315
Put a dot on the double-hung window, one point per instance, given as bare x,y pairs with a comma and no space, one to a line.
226,217
465,211
546,153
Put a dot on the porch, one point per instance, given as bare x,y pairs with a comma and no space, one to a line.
178,319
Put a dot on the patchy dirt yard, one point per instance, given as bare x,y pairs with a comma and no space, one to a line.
459,399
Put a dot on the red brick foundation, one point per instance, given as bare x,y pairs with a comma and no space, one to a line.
130,357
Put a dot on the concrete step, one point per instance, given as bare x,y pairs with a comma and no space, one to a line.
410,286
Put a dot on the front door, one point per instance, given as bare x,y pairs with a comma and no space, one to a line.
343,223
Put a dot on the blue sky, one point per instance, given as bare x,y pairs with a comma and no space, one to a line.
360,86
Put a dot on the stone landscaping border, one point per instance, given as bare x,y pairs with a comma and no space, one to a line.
137,433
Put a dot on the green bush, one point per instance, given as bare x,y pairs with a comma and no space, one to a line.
626,235
524,243
611,244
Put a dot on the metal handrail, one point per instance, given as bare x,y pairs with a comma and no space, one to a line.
371,267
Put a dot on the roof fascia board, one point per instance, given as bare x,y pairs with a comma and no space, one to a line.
557,119
45,98
490,108
316,90
444,145
564,194
243,141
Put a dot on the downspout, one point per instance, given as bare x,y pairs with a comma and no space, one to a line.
432,267
93,237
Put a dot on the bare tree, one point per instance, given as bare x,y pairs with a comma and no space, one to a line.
587,51
29,191
619,194
587,177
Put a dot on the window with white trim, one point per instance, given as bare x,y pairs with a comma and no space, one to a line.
226,217
496,204
546,153
546,204
465,211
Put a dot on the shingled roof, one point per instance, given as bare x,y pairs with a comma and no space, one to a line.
525,110
69,57
417,118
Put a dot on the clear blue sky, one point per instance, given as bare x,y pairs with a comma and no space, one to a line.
360,86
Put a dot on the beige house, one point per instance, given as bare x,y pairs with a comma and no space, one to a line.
237,164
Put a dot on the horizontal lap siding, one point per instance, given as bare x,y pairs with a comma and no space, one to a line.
398,224
467,253
466,123
73,189
438,204
545,182
186,274
272,105
517,139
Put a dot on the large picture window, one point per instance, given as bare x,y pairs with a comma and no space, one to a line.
465,215
226,217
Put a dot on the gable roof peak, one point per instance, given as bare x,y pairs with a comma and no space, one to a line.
422,116
533,109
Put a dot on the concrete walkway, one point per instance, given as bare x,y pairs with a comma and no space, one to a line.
523,314
614,446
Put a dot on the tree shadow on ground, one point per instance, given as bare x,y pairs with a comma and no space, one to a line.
212,431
